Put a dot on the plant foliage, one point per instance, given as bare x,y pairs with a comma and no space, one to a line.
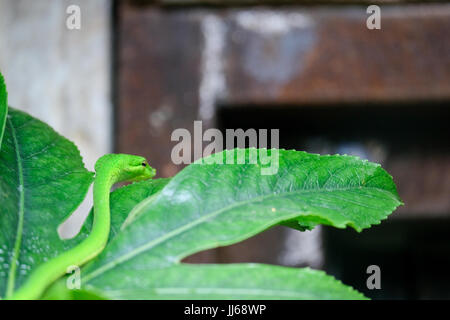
157,223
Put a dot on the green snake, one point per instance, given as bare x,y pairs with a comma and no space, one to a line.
109,169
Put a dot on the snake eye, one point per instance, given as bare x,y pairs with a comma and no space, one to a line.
144,164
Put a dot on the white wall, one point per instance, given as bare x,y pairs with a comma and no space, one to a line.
59,75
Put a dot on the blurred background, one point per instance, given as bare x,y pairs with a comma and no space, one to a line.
137,70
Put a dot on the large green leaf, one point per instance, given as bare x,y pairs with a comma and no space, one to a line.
207,206
228,281
42,181
3,107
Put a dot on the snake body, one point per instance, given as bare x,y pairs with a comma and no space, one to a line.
110,169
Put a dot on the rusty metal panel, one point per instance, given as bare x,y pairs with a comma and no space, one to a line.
158,69
423,183
328,55
177,66
290,56
168,73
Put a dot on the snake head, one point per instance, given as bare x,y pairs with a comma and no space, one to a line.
125,167
136,168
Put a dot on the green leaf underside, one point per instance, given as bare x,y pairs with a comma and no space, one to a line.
206,206
42,181
228,281
3,108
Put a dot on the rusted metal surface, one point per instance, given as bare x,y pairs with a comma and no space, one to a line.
269,57
329,56
158,82
177,66
423,183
